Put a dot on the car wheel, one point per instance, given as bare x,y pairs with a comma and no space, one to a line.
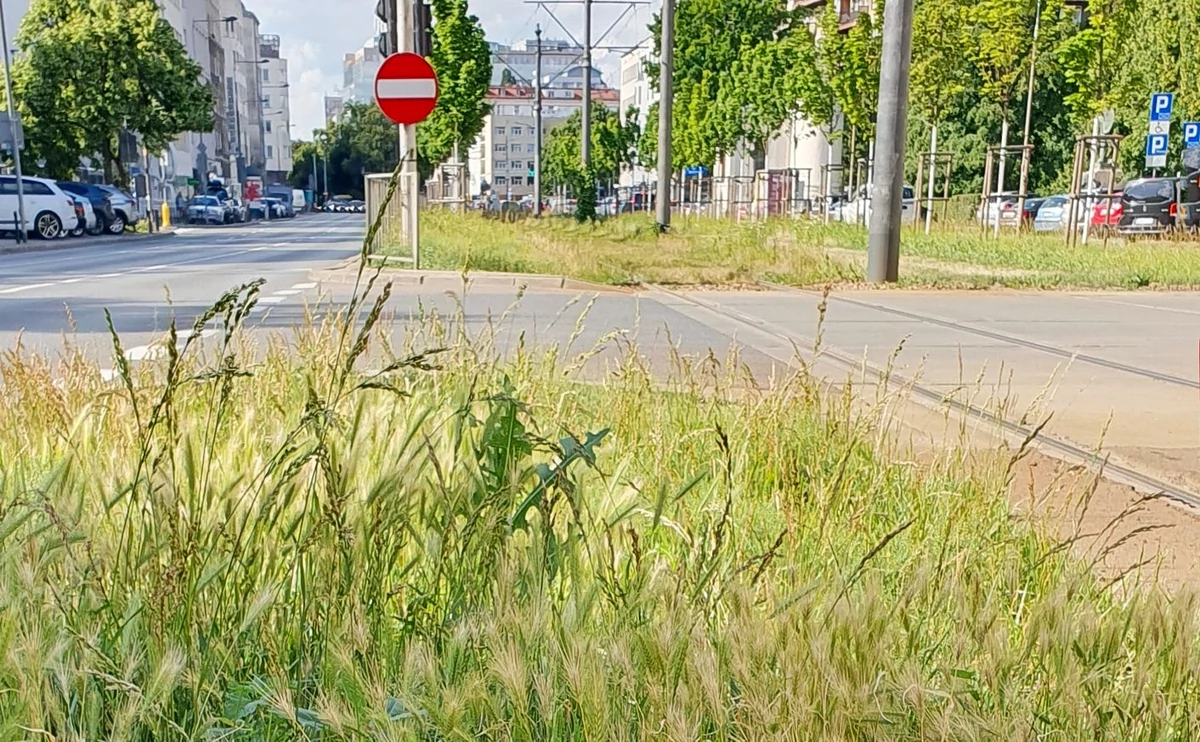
98,229
117,225
77,232
48,226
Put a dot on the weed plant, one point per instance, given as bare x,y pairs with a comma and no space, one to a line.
238,542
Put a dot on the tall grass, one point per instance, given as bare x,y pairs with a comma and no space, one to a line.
800,252
276,543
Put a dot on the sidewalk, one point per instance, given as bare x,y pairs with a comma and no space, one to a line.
67,243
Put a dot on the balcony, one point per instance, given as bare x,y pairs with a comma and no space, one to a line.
849,11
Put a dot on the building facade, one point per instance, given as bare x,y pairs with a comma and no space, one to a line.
358,73
504,157
277,111
637,95
517,64
335,106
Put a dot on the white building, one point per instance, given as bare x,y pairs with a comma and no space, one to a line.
637,94
505,155
517,64
277,111
358,73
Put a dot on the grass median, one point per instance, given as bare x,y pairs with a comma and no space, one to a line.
702,251
272,543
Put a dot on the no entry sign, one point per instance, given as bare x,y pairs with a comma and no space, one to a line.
406,88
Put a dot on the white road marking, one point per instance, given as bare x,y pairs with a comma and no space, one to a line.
272,299
304,286
288,292
29,287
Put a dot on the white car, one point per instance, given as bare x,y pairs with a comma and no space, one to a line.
49,211
89,216
858,210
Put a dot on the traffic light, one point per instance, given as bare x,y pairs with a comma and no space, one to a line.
422,28
385,11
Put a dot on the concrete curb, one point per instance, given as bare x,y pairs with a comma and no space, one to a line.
347,273
70,243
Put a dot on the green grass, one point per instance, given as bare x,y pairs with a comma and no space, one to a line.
800,253
268,544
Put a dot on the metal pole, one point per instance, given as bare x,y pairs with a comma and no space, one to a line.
932,168
883,246
1091,177
1000,175
1025,154
537,125
666,96
22,236
408,136
315,185
585,132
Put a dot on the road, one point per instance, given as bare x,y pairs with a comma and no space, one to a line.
1121,365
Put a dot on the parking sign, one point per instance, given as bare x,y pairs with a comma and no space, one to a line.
1191,135
1156,150
1161,105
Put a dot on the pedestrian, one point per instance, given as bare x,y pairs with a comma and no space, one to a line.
179,206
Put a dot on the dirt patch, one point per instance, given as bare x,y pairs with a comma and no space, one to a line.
949,269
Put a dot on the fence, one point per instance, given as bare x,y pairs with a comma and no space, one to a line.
393,226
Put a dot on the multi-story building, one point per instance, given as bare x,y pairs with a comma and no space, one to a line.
637,95
504,157
277,111
335,106
358,73
517,64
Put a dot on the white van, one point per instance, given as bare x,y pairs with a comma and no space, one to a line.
49,211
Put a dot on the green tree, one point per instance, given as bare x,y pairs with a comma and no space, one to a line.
614,146
88,68
463,62
849,64
940,71
1001,34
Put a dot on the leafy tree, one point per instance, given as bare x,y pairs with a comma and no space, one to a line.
463,62
614,146
361,141
1001,33
88,68
940,71
849,64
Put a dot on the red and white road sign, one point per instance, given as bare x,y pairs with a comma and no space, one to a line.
406,88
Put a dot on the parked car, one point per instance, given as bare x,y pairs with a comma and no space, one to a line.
1148,206
1006,204
260,208
206,210
86,215
1106,211
1053,214
125,211
858,209
100,201
49,211
239,210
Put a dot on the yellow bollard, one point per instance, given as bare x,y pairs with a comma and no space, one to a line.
166,215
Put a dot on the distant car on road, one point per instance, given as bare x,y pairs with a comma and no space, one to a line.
206,210
50,212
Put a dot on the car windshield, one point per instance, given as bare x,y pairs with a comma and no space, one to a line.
1151,189
1054,201
206,201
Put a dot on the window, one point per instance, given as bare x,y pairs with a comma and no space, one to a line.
516,165
34,188
267,124
270,151
8,186
501,180
266,102
517,180
532,165
516,131
501,147
531,148
499,131
266,76
502,164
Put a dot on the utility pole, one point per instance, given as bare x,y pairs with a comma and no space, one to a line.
585,132
537,126
1025,153
666,95
22,236
883,247
403,20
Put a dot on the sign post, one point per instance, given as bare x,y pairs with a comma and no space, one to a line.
1158,137
406,91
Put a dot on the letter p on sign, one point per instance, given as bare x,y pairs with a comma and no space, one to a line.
1160,106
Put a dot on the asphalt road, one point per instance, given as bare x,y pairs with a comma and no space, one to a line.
143,282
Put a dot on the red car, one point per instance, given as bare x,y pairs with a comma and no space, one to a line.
1106,214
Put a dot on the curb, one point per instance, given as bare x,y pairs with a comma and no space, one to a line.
70,243
347,272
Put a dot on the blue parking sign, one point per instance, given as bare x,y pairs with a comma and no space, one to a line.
1161,105
1156,144
1191,135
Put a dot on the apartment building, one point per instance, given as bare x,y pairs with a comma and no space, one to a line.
277,111
637,95
504,157
517,64
358,73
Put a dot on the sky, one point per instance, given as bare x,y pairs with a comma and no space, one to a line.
316,34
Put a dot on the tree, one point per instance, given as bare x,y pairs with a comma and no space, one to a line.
939,67
361,141
1001,33
614,146
849,63
463,62
89,68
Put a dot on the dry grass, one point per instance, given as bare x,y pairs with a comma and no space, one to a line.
702,251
